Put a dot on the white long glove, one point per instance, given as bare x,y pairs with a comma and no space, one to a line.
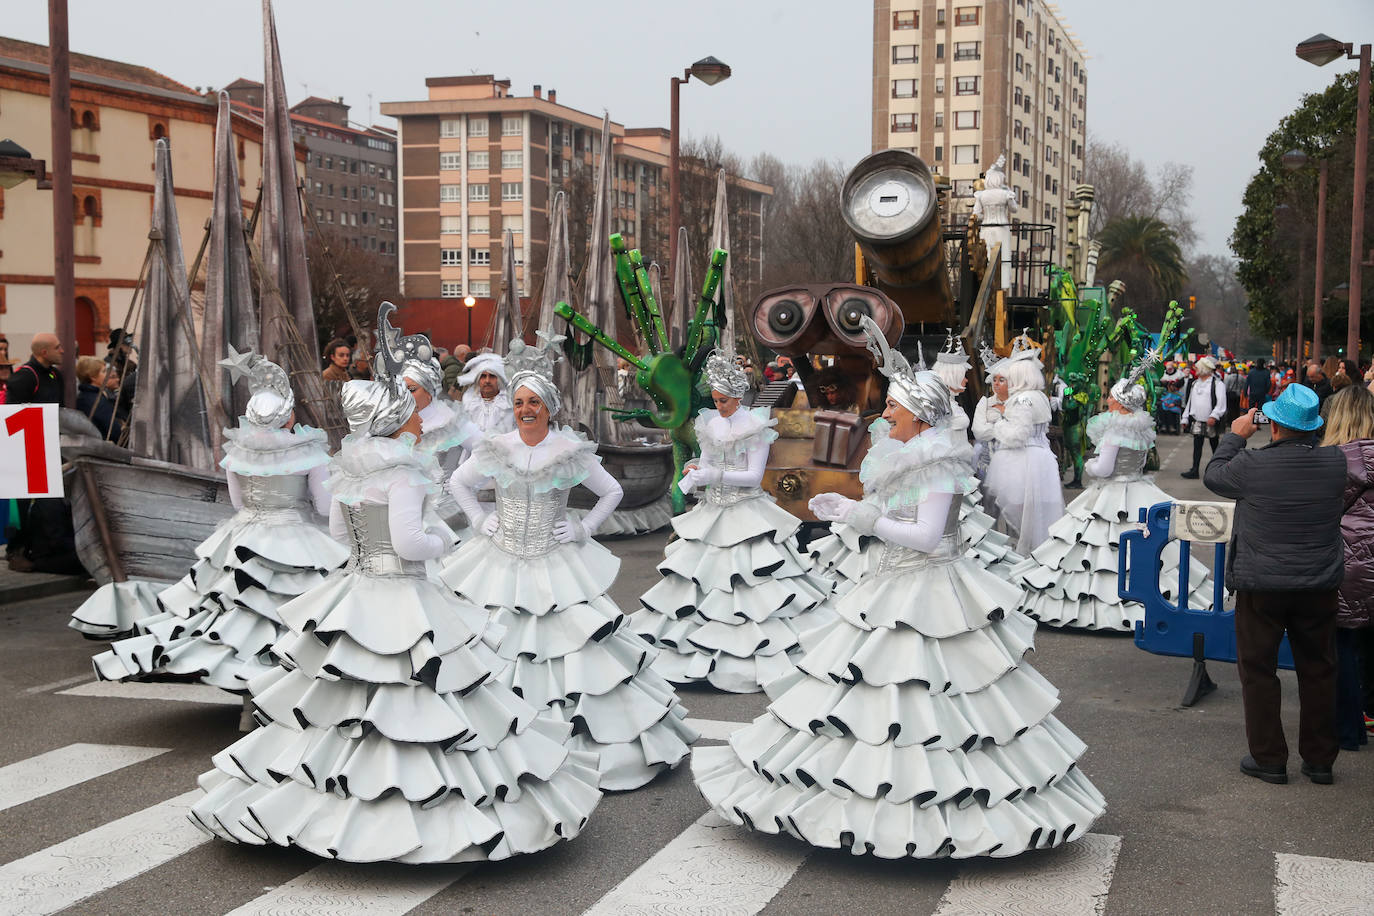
491,524
832,507
569,530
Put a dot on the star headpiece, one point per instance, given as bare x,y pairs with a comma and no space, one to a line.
270,400
533,367
1128,391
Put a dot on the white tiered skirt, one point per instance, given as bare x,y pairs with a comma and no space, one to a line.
220,621
735,597
386,737
1071,579
911,729
566,648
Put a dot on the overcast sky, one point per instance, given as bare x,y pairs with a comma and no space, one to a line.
1196,81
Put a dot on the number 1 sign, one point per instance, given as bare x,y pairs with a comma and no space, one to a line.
30,461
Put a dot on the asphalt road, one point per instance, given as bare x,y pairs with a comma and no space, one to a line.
1195,836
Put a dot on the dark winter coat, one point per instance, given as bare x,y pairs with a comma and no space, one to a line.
1357,527
1289,501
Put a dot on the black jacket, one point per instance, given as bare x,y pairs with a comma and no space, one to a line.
1289,501
94,403
1257,384
33,383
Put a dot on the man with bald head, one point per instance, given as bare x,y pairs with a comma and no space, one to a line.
38,381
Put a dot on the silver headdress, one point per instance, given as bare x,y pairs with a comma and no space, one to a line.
271,401
382,406
951,363
395,350
1129,393
725,376
918,390
532,368
989,358
1024,347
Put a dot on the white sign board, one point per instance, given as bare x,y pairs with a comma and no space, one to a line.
1206,522
30,455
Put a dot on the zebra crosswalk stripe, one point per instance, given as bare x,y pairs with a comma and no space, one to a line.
1332,887
55,878
1072,880
337,887
711,867
65,767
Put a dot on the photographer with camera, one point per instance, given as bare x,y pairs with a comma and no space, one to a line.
1283,584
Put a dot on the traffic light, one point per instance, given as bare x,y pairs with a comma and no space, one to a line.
1192,303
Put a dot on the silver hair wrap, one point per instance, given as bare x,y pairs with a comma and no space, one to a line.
725,376
375,408
532,368
1129,393
271,401
426,374
921,392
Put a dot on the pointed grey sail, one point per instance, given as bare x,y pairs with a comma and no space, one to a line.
720,238
684,297
508,322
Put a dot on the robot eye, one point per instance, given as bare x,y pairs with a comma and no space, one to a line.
850,314
847,305
784,320
785,317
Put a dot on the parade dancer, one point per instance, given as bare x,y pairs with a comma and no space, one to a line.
566,644
220,621
1070,580
912,728
486,399
845,556
736,590
1023,475
385,736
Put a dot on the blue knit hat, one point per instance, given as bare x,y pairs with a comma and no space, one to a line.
1297,408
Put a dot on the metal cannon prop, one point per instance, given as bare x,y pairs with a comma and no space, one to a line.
670,379
1174,629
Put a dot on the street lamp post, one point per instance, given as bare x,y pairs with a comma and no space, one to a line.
1294,160
469,302
710,71
1322,50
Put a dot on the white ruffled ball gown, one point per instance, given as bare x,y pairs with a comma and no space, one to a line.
566,644
912,728
1071,579
385,735
1023,475
736,589
219,621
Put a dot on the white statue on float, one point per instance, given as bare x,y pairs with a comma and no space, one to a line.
993,207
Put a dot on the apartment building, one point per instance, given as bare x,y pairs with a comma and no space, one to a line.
960,82
476,160
350,172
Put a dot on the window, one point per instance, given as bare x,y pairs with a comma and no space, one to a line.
939,153
353,167
903,122
965,15
479,288
1016,96
966,85
319,188
1047,184
1020,29
939,85
512,190
450,257
479,192
479,256
904,54
1049,125
904,89
450,289
939,119
939,17
478,158
905,19
329,162
450,161
1016,162
965,120
1016,130
479,224
329,216
966,50
512,159
966,155
1019,62
513,223
963,187
449,127
512,127
477,125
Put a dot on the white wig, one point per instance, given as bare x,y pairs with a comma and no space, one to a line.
954,375
1023,375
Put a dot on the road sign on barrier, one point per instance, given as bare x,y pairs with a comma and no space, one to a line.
30,458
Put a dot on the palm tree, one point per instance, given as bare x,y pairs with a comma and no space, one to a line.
1143,252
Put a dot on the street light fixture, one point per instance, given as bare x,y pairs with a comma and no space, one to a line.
469,302
17,166
1295,160
710,71
1321,50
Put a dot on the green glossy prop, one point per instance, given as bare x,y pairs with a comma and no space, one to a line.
1078,345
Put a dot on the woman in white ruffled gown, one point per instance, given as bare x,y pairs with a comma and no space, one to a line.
736,590
1071,579
1023,475
912,727
566,645
445,432
385,736
219,622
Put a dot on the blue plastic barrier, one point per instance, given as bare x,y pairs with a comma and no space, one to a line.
1175,629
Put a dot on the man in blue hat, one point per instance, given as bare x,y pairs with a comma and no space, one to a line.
1286,562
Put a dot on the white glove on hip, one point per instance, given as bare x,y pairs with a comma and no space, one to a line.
569,530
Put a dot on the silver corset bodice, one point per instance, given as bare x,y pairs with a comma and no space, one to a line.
1038,437
724,494
1130,464
896,558
527,519
369,526
283,498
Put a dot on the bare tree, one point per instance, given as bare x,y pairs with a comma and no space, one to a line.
805,237
340,273
1124,188
1223,308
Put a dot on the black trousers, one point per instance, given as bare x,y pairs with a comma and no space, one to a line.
1309,618
1349,690
1212,435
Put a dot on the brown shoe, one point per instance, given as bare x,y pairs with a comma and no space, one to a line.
20,563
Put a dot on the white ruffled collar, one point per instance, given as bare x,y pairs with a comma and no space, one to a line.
255,451
904,473
442,425
560,462
366,467
473,400
747,428
1134,430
